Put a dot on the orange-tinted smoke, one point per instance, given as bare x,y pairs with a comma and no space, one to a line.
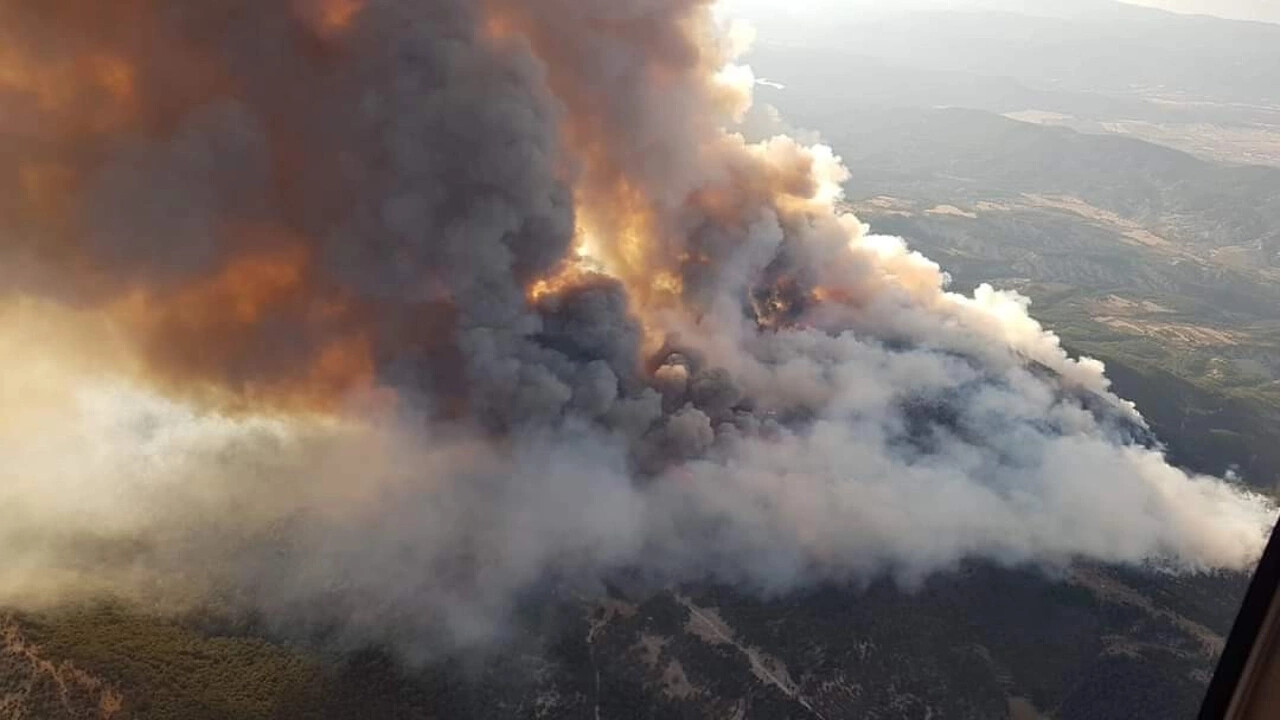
73,69
81,78
258,331
258,319
615,205
74,75
329,18
646,104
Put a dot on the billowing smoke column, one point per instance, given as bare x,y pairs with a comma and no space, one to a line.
381,313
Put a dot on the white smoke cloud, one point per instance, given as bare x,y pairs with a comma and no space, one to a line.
424,535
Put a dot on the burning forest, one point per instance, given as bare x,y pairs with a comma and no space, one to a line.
384,312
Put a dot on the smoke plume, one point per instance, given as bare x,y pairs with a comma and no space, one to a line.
385,312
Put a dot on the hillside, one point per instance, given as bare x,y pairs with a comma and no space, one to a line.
978,643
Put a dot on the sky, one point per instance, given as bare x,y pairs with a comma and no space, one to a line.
1259,10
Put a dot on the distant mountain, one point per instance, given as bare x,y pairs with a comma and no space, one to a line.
964,152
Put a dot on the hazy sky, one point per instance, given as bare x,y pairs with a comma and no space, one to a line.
1263,10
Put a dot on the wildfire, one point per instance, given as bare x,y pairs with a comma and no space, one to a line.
836,296
568,276
668,284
